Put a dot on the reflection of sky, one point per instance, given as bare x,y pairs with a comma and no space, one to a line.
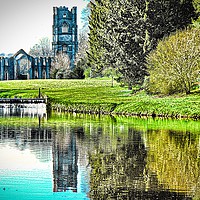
23,176
14,159
83,178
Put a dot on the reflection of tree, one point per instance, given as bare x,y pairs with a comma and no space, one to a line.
119,169
174,157
124,163
114,174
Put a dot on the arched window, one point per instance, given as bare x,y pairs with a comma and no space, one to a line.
65,27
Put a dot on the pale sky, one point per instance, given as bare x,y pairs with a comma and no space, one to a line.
24,22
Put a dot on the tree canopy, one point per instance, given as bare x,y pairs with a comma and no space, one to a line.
42,48
60,67
123,32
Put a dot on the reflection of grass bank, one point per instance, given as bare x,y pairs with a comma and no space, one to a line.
119,122
164,124
97,95
137,123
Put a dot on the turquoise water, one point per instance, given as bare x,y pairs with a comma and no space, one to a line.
24,177
33,183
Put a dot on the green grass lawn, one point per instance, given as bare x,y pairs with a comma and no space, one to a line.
97,94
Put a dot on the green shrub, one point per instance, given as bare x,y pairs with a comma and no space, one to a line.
175,65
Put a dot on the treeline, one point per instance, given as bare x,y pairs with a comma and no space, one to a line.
124,33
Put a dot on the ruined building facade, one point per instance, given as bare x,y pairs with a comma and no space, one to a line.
21,65
65,32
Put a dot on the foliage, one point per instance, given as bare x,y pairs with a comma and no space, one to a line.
196,23
168,16
111,38
122,33
42,49
77,73
175,65
196,4
97,20
87,72
127,40
60,67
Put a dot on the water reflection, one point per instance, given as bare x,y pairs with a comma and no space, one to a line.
123,172
95,157
65,158
118,172
178,155
28,140
23,110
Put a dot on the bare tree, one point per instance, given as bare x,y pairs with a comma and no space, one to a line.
42,49
83,47
60,67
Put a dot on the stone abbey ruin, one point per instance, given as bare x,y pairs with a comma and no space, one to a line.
24,66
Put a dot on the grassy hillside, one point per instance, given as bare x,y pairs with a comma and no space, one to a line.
94,95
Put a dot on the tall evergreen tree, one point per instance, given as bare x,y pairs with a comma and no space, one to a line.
123,32
127,40
96,26
168,16
196,22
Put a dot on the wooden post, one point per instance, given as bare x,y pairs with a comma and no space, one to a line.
39,93
112,81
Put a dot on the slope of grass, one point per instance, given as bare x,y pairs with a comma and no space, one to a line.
97,95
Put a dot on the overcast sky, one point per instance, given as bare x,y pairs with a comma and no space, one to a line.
24,22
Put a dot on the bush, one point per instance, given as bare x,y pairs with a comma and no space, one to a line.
77,73
175,65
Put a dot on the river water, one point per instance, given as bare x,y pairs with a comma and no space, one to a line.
76,156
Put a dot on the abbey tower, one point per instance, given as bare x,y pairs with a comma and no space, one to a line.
65,32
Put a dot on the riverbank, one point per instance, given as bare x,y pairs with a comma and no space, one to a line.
98,96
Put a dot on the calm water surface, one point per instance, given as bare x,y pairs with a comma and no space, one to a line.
68,156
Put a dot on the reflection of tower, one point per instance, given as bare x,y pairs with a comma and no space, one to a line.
65,168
